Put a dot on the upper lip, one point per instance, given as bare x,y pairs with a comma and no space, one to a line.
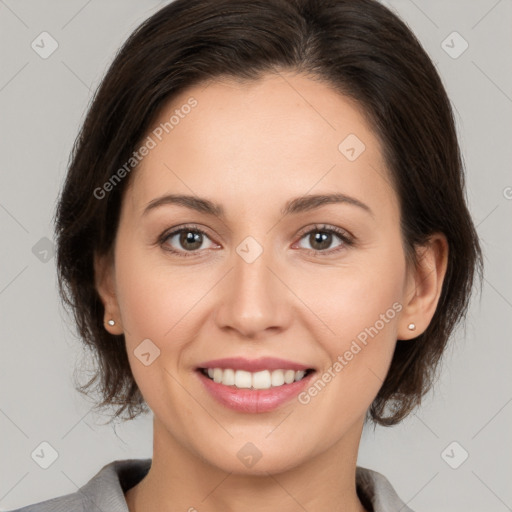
254,365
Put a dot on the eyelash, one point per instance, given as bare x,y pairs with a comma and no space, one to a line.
341,234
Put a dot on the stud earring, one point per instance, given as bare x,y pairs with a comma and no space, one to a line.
411,327
111,322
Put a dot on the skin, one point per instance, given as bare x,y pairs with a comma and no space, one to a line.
251,147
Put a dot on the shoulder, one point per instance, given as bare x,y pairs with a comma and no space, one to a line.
375,491
104,491
67,503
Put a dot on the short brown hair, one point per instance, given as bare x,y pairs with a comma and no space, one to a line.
358,47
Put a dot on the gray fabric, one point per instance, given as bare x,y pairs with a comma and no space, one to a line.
105,491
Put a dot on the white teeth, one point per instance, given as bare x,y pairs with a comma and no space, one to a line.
299,375
258,380
228,377
243,379
289,376
277,378
261,380
217,375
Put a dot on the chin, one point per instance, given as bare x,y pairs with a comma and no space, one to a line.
268,463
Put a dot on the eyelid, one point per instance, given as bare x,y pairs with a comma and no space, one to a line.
326,227
346,237
182,227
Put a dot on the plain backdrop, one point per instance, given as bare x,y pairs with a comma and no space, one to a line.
43,101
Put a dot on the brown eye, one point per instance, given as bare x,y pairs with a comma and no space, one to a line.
321,239
186,241
190,240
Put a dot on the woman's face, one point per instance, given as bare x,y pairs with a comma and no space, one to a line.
269,278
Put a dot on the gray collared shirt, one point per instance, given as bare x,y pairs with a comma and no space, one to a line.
105,491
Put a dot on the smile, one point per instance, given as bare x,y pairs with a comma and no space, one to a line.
264,379
253,386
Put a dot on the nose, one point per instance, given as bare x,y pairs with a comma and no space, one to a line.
255,301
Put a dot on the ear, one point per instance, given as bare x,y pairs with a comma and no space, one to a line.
104,281
423,287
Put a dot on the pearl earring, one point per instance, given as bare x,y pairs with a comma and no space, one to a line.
411,327
111,322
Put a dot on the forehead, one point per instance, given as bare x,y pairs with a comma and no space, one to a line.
267,139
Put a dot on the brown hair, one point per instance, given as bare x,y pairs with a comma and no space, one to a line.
358,47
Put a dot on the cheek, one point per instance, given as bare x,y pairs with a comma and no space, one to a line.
147,305
152,296
359,354
355,297
359,314
160,302
154,307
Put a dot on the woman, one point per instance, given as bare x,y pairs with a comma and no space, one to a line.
263,235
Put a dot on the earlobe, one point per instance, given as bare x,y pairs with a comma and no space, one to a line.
424,286
105,286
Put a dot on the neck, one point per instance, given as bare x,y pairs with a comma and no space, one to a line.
180,480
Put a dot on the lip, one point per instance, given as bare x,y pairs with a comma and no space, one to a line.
253,400
254,365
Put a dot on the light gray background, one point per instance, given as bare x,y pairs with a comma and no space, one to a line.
42,103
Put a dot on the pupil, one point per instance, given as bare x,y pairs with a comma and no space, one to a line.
320,238
189,238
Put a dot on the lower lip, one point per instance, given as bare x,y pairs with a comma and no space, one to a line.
254,400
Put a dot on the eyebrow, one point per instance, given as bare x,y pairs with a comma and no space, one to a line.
293,206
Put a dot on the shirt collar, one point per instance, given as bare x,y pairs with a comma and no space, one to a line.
106,489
